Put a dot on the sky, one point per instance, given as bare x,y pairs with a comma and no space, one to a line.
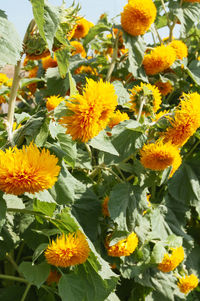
19,12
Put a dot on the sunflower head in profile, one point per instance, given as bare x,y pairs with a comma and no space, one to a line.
124,247
68,250
186,120
180,49
90,112
150,94
27,170
138,16
171,261
188,283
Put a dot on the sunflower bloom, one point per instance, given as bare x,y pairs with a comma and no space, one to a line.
53,102
138,16
27,170
152,100
90,112
68,250
4,80
105,207
159,155
171,261
78,48
124,247
160,58
81,29
49,62
54,276
185,121
116,118
164,88
188,283
180,49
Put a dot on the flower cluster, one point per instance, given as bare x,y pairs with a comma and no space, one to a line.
68,250
188,283
90,112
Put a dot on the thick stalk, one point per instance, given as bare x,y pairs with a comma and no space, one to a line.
12,98
114,58
13,278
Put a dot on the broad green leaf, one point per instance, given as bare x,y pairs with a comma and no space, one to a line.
62,56
193,71
136,50
36,274
27,81
42,136
71,287
123,95
38,13
55,84
13,201
158,252
95,30
44,207
69,147
10,43
126,204
55,129
103,142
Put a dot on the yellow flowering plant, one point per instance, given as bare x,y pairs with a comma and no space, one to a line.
100,154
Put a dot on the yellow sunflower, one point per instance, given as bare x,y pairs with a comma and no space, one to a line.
188,283
78,48
27,170
180,49
116,118
90,113
81,29
53,102
138,16
159,155
160,58
171,261
124,247
185,121
68,250
164,88
4,80
152,100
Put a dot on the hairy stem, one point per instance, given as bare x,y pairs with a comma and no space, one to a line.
140,109
114,58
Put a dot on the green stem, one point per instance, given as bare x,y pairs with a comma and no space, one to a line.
140,109
192,149
120,172
11,260
167,15
114,58
153,190
89,151
13,278
26,292
11,102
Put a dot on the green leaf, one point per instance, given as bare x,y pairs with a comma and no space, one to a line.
42,136
27,81
13,201
72,84
103,142
10,43
55,129
40,249
69,147
47,18
193,71
3,208
123,95
158,252
71,287
136,50
126,204
44,207
62,56
36,274
55,84
95,30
